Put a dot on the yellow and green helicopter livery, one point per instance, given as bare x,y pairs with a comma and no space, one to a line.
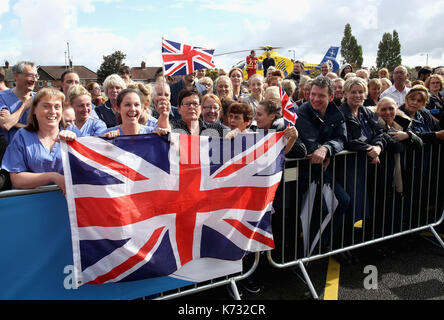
286,64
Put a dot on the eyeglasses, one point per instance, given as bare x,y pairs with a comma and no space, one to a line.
31,75
211,108
191,104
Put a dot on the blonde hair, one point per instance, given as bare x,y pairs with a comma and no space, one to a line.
75,91
355,80
143,90
375,82
115,80
384,99
230,94
386,81
33,124
367,74
349,75
272,93
289,86
421,90
350,82
206,80
383,70
435,76
256,76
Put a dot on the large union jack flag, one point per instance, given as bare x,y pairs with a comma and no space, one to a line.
146,206
183,59
288,109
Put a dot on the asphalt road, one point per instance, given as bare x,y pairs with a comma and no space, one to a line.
410,267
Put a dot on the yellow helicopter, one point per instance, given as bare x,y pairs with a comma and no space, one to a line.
283,63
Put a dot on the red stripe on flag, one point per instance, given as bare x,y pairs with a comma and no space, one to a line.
168,47
252,156
189,186
107,162
239,226
125,210
131,262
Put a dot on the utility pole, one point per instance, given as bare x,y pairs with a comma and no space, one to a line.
69,56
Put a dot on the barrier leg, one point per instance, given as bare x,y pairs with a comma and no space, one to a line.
437,237
234,289
308,281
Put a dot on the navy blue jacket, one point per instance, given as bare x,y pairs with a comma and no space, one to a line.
315,132
427,118
356,141
106,114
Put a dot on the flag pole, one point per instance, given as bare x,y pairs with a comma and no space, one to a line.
163,71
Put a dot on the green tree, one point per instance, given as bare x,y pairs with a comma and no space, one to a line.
351,51
111,64
213,74
396,50
389,51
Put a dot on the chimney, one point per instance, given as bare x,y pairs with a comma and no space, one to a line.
70,63
143,65
7,64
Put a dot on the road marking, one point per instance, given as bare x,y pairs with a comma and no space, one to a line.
429,234
332,282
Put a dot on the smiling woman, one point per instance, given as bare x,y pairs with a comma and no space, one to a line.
363,130
189,107
33,158
80,100
129,106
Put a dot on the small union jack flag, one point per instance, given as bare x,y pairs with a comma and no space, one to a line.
183,59
288,110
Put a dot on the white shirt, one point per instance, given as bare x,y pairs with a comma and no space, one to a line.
395,94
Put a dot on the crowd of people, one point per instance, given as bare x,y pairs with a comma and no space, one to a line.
376,117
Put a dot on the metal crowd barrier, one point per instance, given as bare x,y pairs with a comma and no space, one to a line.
376,209
382,204
211,284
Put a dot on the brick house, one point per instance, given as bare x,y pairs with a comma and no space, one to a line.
50,76
143,73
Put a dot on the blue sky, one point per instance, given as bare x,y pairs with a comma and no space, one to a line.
39,30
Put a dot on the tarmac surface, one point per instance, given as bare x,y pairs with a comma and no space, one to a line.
410,267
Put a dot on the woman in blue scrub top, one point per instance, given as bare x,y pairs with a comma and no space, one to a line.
144,91
130,109
33,158
84,125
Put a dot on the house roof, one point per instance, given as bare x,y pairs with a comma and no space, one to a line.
139,73
55,72
9,75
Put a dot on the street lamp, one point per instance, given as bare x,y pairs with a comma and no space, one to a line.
294,54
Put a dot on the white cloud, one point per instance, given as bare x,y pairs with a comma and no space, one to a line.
4,8
307,26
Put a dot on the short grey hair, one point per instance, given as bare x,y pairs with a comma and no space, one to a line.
323,82
20,66
160,83
115,80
